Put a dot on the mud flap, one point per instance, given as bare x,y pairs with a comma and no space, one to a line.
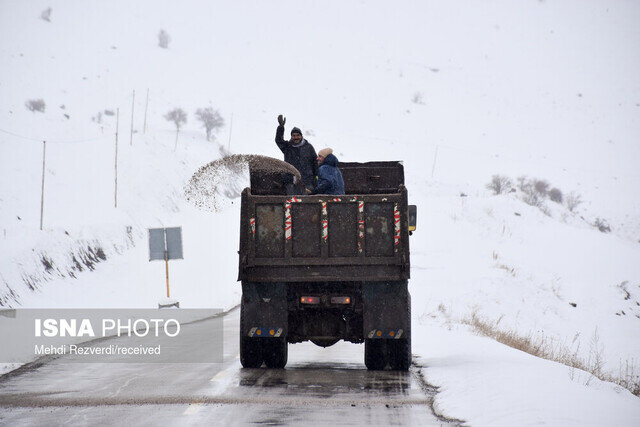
265,310
386,305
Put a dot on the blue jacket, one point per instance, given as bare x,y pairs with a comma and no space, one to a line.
329,177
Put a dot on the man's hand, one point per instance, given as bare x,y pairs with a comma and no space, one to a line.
308,191
281,120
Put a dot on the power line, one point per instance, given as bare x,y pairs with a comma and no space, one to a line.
20,136
54,141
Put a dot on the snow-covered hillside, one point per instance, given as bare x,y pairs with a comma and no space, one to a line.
458,91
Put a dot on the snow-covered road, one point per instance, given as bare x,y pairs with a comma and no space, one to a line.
321,386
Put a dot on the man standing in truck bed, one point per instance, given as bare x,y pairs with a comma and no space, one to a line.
299,153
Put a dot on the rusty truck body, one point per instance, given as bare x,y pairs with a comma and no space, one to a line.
326,268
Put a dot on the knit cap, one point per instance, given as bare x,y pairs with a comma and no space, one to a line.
325,152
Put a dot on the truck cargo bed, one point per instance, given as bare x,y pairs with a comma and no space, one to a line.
318,238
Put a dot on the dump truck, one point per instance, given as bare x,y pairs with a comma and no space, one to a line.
325,268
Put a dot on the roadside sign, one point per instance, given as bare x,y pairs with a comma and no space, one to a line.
165,239
166,244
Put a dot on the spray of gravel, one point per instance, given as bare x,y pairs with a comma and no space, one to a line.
216,184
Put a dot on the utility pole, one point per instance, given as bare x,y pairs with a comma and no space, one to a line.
146,106
132,107
44,156
435,157
116,187
230,129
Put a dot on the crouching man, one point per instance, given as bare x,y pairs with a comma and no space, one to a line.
329,176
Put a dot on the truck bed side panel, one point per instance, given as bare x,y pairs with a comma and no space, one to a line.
324,238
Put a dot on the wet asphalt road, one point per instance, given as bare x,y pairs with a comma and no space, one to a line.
320,386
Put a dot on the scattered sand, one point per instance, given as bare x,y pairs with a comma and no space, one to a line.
216,184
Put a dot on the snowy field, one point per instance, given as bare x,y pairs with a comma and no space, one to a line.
460,91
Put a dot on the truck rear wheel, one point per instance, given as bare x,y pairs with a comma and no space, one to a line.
400,350
400,354
250,353
275,352
375,354
250,348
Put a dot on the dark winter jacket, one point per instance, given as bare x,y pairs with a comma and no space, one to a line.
329,177
303,157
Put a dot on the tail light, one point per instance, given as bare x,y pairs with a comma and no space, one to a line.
340,300
309,300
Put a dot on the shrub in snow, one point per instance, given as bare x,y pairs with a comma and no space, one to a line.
544,347
555,195
544,209
210,118
178,117
46,15
417,98
532,198
572,201
163,39
541,187
529,193
500,184
97,118
109,113
35,105
602,225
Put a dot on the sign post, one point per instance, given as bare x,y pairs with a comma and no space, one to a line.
166,261
166,244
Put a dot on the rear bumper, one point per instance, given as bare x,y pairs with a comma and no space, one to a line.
375,310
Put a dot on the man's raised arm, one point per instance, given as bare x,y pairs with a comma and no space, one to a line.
280,133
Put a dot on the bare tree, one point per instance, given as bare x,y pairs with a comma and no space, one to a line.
163,39
210,118
46,15
499,184
178,117
523,181
572,201
34,105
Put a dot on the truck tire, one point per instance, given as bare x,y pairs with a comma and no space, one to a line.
250,348
250,353
375,354
275,352
400,354
400,349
